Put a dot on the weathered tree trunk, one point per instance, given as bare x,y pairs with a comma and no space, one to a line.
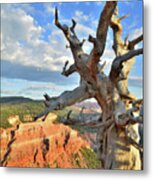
117,134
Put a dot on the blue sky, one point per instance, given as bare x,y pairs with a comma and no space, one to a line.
33,50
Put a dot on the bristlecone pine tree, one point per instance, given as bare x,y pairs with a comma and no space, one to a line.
117,126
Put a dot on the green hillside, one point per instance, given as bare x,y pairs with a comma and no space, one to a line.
21,106
11,106
18,106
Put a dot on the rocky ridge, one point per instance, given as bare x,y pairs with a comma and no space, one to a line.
45,144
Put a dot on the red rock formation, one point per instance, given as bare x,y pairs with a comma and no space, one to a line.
41,144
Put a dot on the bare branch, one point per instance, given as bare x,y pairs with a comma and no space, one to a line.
64,27
89,120
132,141
104,22
116,73
66,99
121,48
123,17
69,71
100,40
82,120
117,63
128,117
129,55
57,23
117,32
101,34
47,97
65,66
73,26
135,144
126,40
81,43
135,120
135,41
75,45
92,39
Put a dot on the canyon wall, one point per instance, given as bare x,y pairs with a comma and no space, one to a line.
45,144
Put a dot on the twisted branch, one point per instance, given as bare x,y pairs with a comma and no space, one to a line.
66,72
66,99
135,41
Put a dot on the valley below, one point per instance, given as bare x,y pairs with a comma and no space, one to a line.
47,144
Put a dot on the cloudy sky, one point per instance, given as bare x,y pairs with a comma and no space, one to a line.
33,50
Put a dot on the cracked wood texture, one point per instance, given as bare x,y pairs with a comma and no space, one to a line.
114,150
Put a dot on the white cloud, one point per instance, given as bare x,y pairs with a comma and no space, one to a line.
80,16
137,32
49,8
16,24
84,31
22,42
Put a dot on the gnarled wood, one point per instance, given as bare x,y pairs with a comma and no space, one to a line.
134,42
70,70
111,92
125,58
66,99
100,41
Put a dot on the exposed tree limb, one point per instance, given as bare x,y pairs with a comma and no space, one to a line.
70,70
81,43
123,17
65,66
129,55
73,26
64,28
103,25
122,47
102,29
133,142
116,26
135,41
101,34
82,120
47,97
66,99
92,40
79,56
90,120
128,117
117,66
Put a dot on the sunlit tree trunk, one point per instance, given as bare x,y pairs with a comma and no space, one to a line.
117,126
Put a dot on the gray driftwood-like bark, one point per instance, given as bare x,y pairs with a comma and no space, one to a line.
117,126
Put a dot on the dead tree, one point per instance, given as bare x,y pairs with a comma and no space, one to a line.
117,134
